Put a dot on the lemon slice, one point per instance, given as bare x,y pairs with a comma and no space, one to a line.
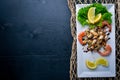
102,61
97,17
91,65
91,15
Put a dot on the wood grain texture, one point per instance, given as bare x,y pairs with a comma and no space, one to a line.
35,40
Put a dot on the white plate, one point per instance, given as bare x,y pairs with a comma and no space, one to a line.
82,70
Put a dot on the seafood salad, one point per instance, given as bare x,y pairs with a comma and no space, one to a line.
96,36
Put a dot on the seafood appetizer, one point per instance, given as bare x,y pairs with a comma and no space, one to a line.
94,39
96,36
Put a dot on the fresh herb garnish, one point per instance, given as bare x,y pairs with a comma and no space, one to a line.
83,18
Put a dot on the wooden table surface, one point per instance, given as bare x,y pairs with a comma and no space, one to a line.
35,40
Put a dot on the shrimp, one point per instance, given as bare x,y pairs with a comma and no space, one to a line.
105,23
80,38
107,51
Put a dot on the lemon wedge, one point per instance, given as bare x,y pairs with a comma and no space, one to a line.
91,65
97,17
91,15
102,61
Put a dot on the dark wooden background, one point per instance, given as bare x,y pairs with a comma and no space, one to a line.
35,40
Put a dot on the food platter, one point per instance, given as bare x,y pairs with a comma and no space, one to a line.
82,70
